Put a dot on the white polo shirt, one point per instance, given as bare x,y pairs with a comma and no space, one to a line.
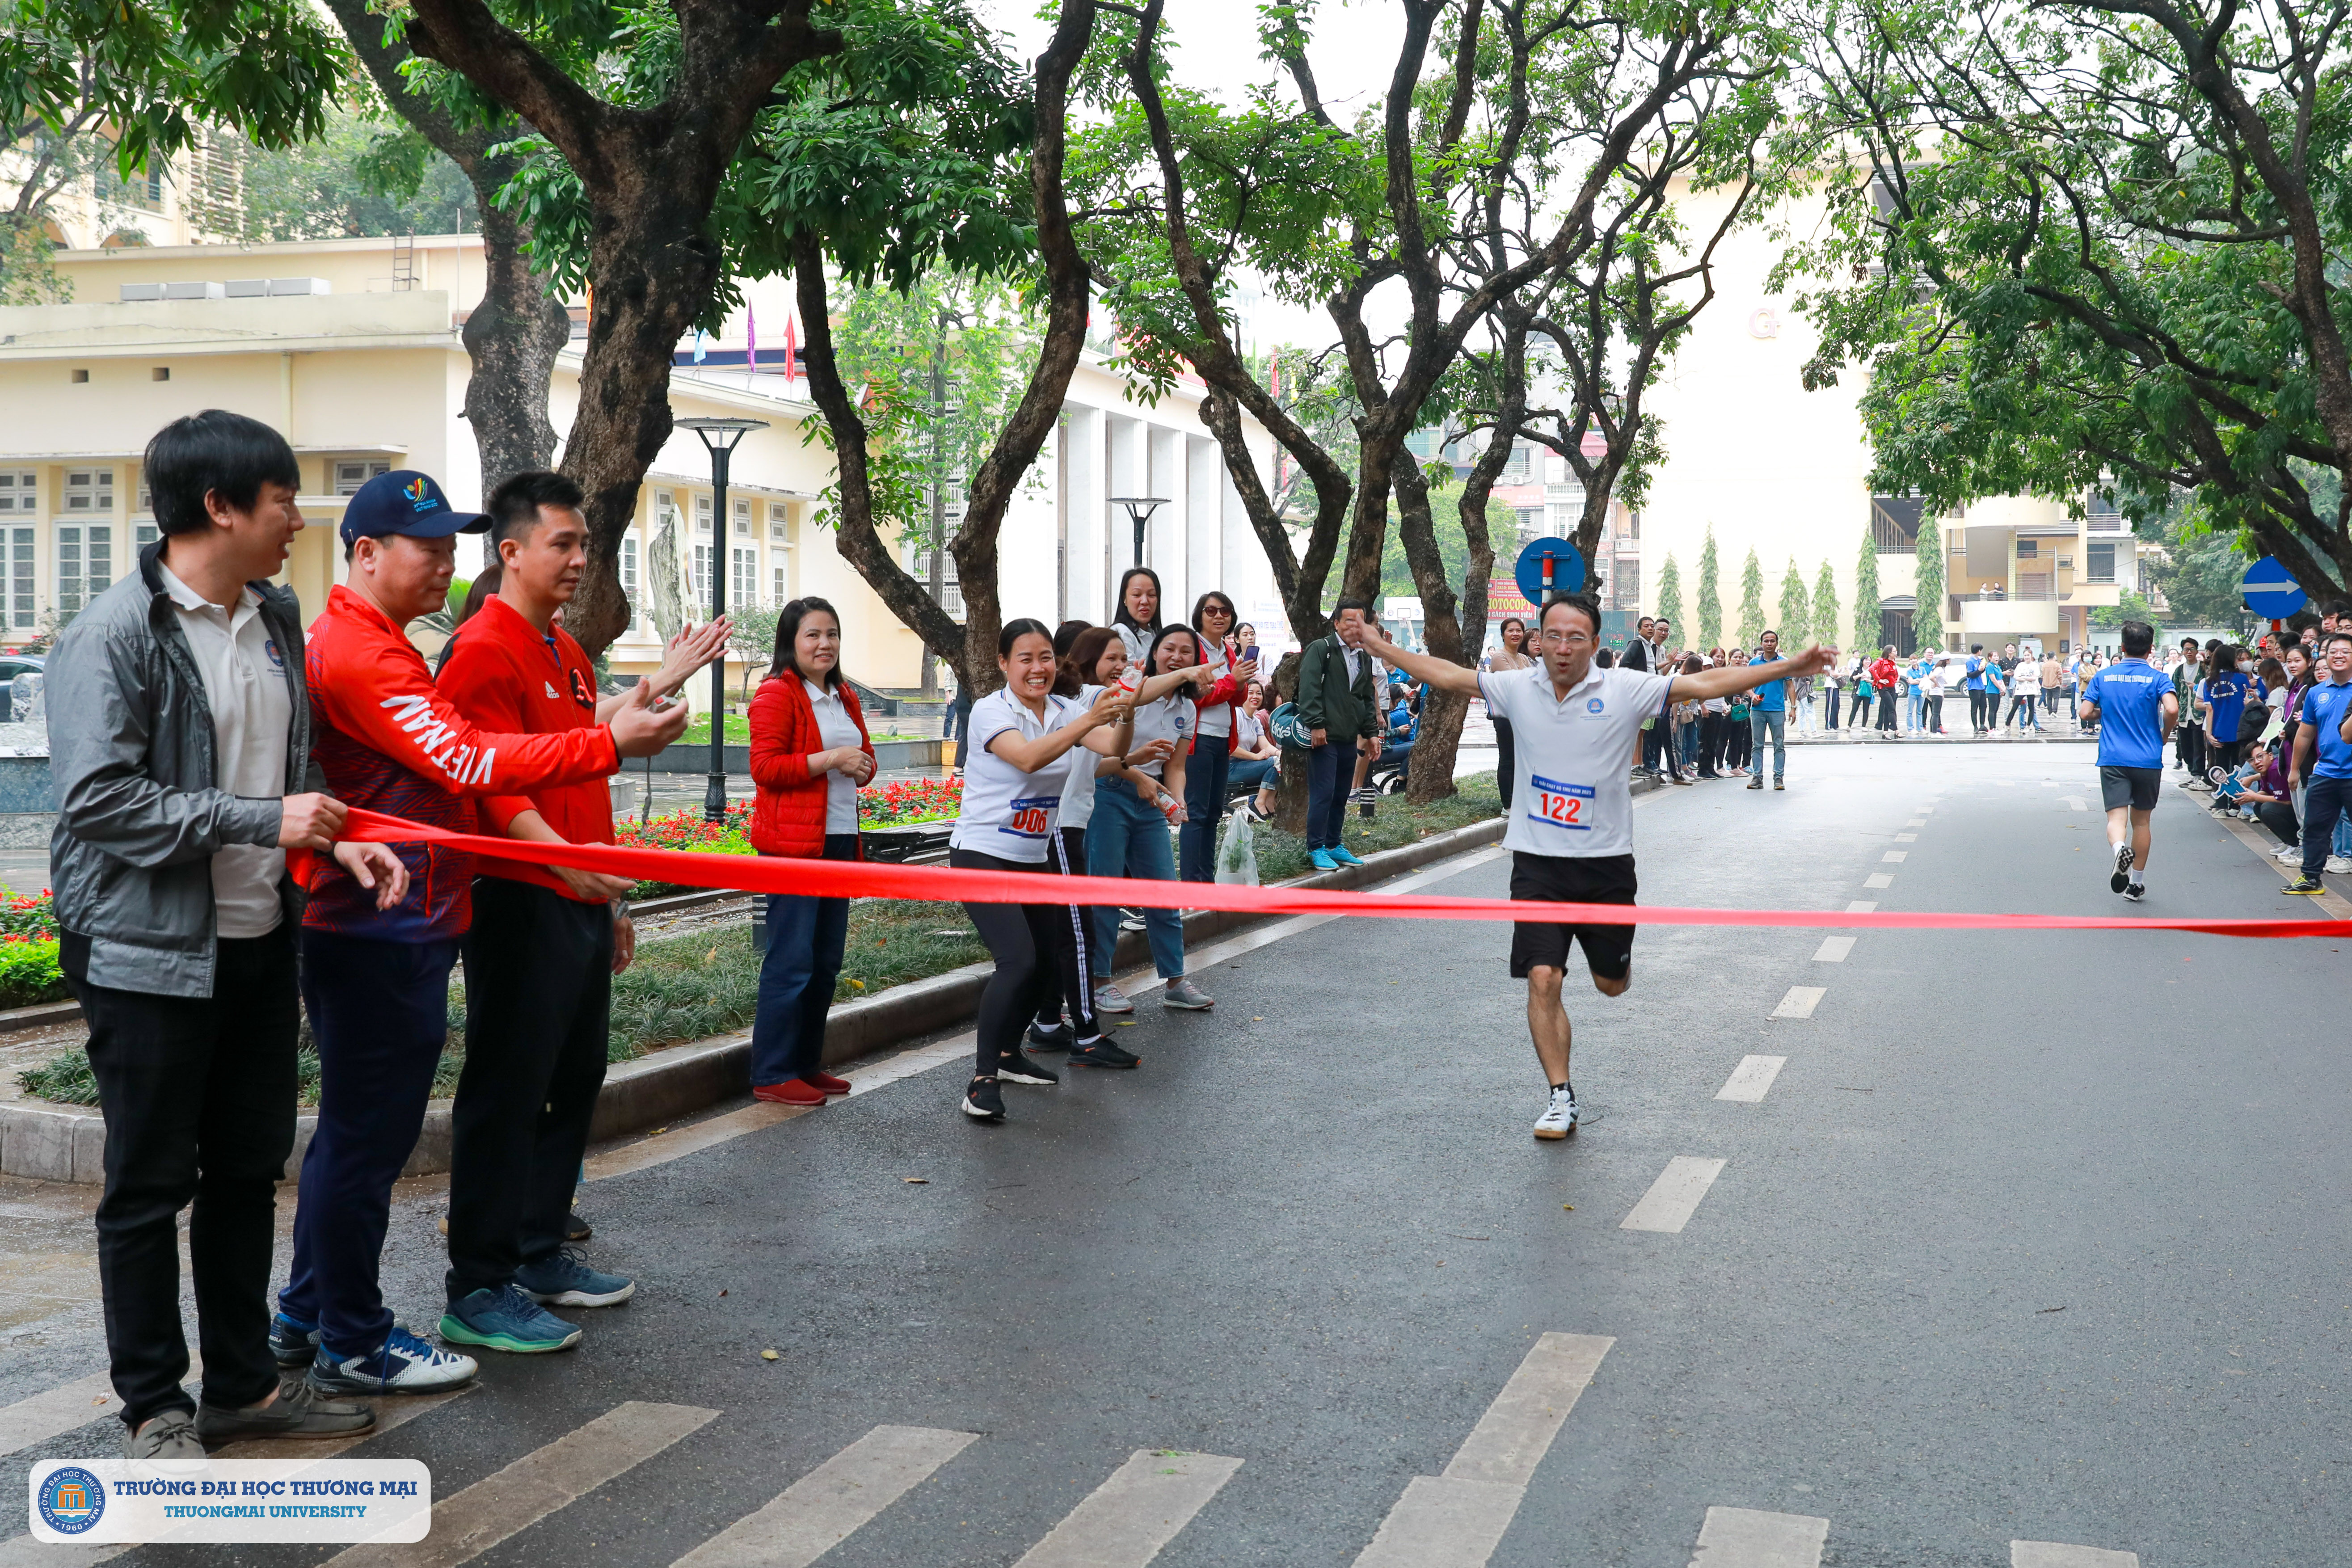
1007,813
253,710
837,729
1572,793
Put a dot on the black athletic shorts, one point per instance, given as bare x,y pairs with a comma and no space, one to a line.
2133,787
1572,879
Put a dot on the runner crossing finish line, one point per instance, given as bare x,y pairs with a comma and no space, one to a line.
1576,725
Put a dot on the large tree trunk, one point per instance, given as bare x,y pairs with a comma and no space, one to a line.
970,649
513,335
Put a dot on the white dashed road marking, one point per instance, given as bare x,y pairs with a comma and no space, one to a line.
823,1508
498,1507
1751,1080
1879,880
1833,949
1800,1001
1897,856
1125,1521
2052,1554
1455,1520
1864,906
1749,1538
1671,1199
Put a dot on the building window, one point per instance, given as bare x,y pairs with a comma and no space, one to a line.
17,491
779,523
629,574
742,574
2100,567
701,586
350,476
918,567
90,491
743,511
2028,548
1628,582
22,601
85,563
702,514
776,581
665,510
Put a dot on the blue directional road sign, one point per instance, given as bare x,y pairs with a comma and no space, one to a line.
1567,570
2269,591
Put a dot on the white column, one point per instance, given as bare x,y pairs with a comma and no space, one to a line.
1205,518
1082,503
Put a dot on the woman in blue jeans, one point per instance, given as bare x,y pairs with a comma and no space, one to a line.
809,754
1135,805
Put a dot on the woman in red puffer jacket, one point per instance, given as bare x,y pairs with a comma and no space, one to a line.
809,754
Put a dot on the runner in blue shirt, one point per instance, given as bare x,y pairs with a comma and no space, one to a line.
2132,702
2326,734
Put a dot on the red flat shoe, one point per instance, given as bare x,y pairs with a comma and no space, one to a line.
826,1081
791,1092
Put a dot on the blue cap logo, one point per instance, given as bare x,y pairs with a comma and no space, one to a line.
405,502
71,1499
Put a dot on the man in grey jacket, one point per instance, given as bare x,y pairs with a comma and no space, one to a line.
179,741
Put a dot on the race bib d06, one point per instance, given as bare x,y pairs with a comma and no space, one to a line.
1558,805
1032,818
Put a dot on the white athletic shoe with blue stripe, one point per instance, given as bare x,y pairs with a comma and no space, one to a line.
404,1364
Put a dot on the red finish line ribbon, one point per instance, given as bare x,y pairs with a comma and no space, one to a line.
947,884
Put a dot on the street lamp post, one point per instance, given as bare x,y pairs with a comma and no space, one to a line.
1138,512
721,435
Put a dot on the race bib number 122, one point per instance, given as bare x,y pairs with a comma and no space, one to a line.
1558,805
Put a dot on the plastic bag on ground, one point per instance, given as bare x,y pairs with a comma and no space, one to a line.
1237,853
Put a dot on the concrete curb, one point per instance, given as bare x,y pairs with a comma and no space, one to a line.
40,1015
67,1143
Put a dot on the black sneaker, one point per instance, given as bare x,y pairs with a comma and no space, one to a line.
1103,1054
1056,1038
1018,1068
983,1102
293,1343
2122,877
575,1228
2308,887
2135,892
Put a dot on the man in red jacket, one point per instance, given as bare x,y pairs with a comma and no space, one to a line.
540,961
376,981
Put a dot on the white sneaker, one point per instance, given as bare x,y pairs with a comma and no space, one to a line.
1183,995
2288,855
1558,1118
2338,866
1109,998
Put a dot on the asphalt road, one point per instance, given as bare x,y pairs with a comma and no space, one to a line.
2031,1239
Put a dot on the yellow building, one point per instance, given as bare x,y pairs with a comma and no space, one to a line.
351,349
1784,471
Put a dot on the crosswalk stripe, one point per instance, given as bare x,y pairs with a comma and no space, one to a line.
1511,1439
499,1507
1833,950
823,1508
1456,1519
1751,1080
2052,1554
1671,1199
1750,1538
1125,1521
1879,880
1800,1001
41,1416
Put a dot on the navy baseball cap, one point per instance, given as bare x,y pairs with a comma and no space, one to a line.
405,502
